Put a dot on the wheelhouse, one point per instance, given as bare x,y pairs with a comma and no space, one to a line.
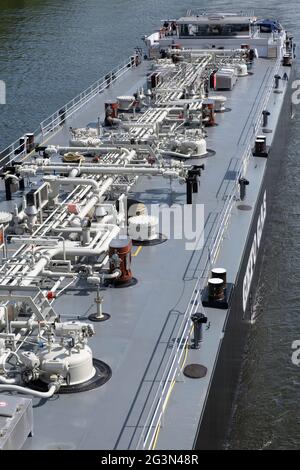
215,26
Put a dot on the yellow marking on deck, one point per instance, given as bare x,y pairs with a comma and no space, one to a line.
137,251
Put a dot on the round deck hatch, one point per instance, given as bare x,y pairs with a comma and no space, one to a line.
195,371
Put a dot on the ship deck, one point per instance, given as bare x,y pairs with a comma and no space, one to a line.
138,338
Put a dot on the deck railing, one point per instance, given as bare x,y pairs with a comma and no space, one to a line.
17,150
54,121
172,370
173,367
213,11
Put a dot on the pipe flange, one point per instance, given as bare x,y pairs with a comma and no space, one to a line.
102,375
95,318
156,241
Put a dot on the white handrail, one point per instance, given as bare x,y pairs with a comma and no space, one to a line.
54,121
17,150
173,366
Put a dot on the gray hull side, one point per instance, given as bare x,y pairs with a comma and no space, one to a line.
215,422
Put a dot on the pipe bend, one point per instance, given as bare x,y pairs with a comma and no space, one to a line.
75,180
16,388
114,275
5,381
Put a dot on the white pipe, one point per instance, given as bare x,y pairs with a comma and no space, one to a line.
204,52
94,227
181,103
70,229
57,274
101,247
100,189
175,154
6,356
58,149
97,279
14,269
142,125
117,273
16,388
40,265
73,173
24,324
69,165
5,381
107,170
103,263
34,241
87,208
64,215
56,285
75,181
13,177
107,220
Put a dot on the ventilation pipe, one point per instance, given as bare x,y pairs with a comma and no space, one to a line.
198,319
243,183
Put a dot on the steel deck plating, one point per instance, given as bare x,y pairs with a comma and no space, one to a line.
148,402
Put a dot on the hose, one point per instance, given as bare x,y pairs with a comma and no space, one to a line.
73,158
16,388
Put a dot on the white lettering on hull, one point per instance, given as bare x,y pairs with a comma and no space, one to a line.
254,251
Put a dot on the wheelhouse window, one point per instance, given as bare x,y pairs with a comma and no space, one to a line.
213,30
265,29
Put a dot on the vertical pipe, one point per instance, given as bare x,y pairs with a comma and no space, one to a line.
8,189
21,184
189,191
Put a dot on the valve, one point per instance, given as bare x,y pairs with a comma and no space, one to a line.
99,316
51,295
30,375
115,260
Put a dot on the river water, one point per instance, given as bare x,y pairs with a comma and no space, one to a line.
51,50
